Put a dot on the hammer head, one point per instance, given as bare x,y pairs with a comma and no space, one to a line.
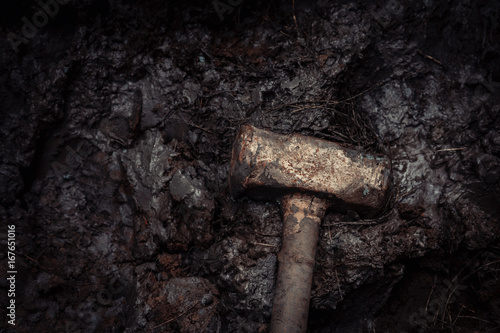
267,165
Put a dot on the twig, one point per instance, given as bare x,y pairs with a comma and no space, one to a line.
297,109
209,55
338,285
427,153
297,40
436,316
266,235
175,318
284,33
458,315
429,57
263,244
194,125
265,18
315,104
449,316
463,306
294,18
430,294
449,149
448,301
362,93
490,263
36,262
411,191
349,223
471,317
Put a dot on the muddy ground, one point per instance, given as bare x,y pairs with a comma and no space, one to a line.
118,120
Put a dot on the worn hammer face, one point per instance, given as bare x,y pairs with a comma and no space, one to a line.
266,165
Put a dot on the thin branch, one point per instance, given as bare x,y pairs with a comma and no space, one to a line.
362,93
263,244
471,317
431,58
294,18
430,294
449,149
175,318
338,284
350,223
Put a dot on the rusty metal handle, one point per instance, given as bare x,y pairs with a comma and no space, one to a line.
302,215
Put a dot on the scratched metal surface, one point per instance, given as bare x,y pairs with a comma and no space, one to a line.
266,164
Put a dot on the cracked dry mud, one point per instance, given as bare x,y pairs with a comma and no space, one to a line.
118,121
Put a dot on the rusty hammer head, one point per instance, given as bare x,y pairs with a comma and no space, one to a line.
267,165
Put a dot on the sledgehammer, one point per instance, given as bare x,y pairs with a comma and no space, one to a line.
308,175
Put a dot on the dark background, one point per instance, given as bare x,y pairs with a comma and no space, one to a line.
117,124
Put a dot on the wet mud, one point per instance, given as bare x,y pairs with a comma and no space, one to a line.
117,130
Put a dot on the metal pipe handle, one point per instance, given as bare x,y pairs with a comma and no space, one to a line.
302,215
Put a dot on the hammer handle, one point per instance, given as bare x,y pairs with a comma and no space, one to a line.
302,215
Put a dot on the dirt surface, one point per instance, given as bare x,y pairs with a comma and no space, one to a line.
118,122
